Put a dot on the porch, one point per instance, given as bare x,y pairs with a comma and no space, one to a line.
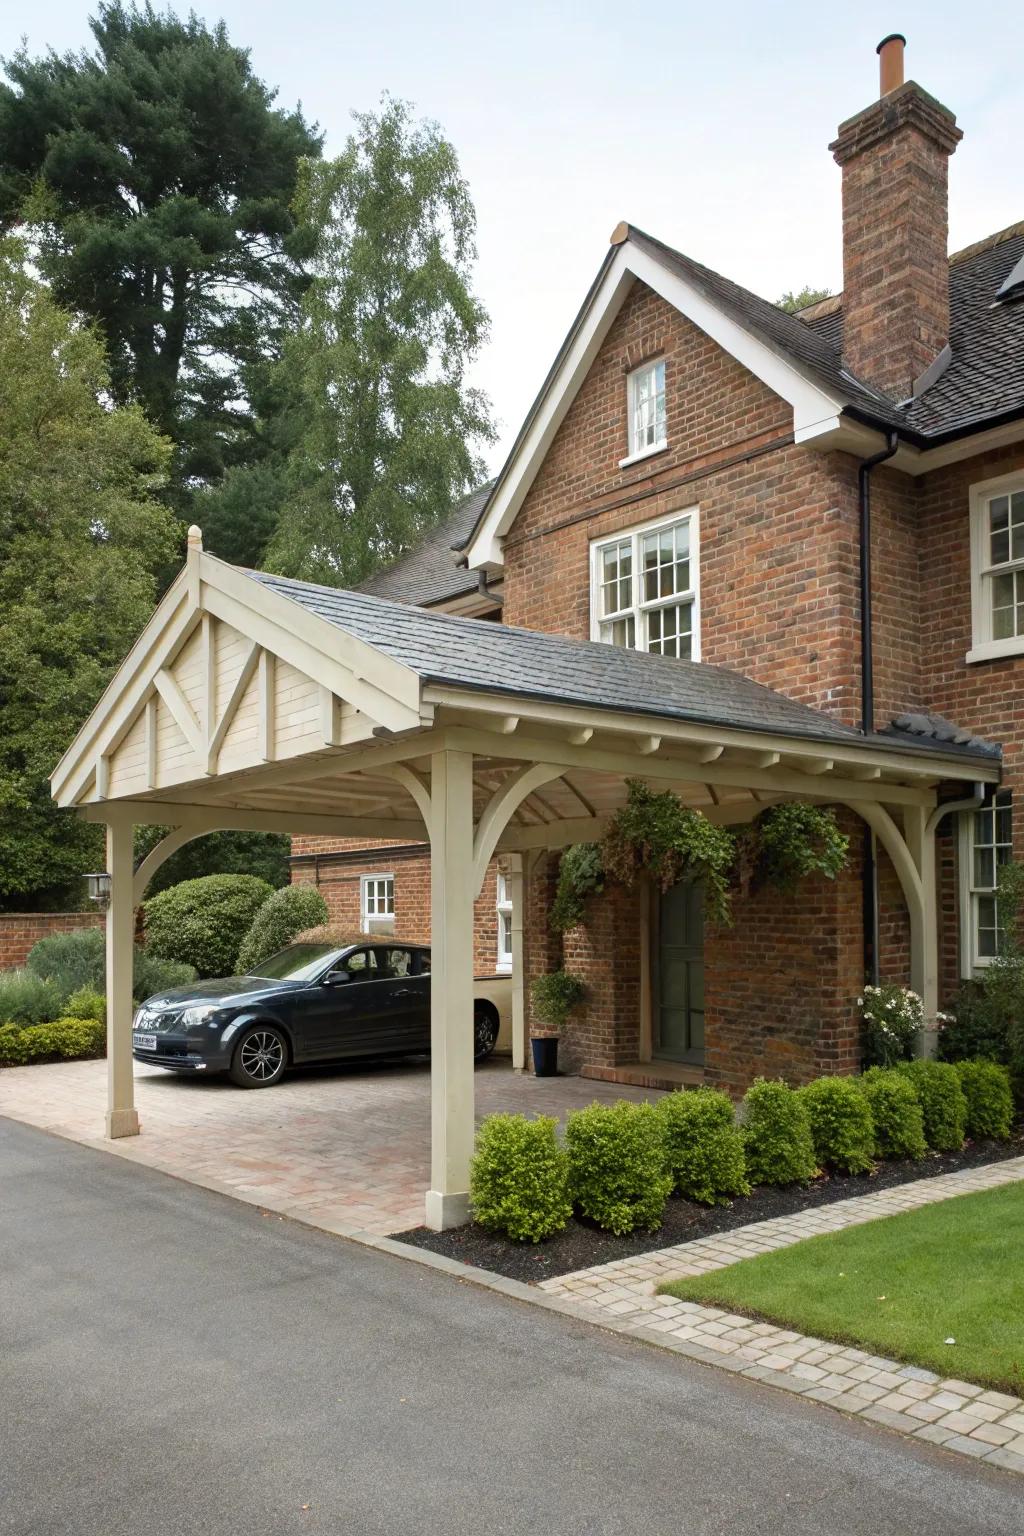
258,703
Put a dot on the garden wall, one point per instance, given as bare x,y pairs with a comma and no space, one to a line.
19,931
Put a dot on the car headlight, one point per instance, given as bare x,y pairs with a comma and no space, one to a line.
201,1014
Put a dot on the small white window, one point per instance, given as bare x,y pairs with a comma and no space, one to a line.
504,905
986,843
645,410
643,588
997,568
378,903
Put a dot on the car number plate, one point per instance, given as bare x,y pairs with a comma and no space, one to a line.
144,1042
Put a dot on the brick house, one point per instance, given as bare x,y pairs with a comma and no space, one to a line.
699,478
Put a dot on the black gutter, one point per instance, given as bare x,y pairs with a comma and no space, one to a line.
867,694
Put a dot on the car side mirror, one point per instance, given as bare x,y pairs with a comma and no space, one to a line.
336,978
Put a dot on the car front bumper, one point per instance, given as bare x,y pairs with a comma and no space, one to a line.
184,1053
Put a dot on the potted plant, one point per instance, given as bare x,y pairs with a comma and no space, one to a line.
554,997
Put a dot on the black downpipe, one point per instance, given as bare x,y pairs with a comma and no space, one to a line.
867,705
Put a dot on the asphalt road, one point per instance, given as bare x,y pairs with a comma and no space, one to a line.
173,1362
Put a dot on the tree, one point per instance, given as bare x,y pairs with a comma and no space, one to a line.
791,302
82,533
388,427
218,853
157,177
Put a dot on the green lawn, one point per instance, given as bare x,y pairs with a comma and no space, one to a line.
900,1287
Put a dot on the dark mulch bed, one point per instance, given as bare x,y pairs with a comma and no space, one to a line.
582,1244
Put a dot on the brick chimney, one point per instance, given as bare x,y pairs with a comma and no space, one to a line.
895,161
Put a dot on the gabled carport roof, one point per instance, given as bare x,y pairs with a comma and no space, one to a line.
526,664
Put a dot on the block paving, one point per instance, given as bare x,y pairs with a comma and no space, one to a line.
958,1415
344,1148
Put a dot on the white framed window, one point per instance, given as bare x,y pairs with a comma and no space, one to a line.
986,843
504,907
997,568
645,411
377,903
644,587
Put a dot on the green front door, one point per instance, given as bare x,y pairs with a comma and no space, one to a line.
679,974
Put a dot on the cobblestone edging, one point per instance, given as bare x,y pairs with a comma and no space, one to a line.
957,1415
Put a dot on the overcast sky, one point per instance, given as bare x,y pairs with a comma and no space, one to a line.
707,125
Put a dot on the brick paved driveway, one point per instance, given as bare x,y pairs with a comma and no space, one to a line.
343,1148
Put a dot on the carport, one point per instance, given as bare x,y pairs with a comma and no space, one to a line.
253,702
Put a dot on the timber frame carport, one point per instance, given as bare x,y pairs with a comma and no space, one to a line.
255,703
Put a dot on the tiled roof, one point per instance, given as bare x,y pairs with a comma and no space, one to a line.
923,727
429,573
779,329
497,658
985,377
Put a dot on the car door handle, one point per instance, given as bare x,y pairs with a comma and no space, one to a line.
404,992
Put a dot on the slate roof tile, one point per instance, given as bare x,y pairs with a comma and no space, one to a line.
498,658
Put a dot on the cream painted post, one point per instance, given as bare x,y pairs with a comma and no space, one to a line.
517,892
122,1116
919,830
451,988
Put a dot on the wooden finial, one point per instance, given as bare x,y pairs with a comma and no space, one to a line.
195,537
620,234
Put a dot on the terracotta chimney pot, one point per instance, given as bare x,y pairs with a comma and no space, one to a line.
890,62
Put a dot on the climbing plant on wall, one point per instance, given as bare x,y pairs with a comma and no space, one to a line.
655,832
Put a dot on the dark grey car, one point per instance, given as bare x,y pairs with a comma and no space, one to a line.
309,1003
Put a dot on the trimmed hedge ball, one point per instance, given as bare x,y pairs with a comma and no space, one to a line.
519,1178
841,1125
942,1101
777,1135
617,1169
704,1145
896,1113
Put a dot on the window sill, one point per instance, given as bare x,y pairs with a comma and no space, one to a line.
995,650
644,453
503,968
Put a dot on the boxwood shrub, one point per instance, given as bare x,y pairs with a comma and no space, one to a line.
989,1097
519,1177
942,1101
703,1145
284,914
203,922
777,1135
842,1129
895,1112
63,1040
617,1170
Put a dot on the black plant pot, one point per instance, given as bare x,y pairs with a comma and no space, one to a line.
545,1056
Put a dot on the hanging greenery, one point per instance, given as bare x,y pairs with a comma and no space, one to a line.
792,840
580,874
654,831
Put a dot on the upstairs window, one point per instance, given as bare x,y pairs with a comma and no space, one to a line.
645,401
643,588
986,845
997,568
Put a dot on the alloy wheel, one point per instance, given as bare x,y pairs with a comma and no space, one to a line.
262,1055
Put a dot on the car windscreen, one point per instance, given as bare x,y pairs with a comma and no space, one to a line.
299,962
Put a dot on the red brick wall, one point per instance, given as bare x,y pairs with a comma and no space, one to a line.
895,160
781,984
778,524
20,930
338,880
